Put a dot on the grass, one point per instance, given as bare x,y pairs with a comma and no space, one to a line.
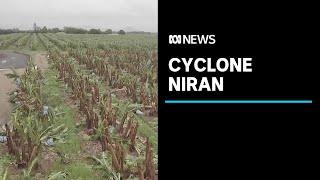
4,162
71,161
145,130
70,143
71,146
76,171
65,115
80,171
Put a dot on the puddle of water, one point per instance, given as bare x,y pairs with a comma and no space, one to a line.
13,60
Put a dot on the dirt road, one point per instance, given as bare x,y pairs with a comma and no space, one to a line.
6,86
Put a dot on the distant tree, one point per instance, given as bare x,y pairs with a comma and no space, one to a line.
72,30
16,30
122,32
54,30
44,29
108,31
94,31
9,31
139,32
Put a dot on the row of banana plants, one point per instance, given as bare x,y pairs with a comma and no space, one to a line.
129,70
22,42
59,44
32,120
113,125
123,71
11,40
120,81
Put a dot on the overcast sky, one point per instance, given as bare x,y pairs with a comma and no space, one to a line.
114,14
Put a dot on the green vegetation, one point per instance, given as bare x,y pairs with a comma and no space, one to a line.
122,32
95,31
4,162
95,109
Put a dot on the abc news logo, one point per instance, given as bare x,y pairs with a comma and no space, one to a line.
192,39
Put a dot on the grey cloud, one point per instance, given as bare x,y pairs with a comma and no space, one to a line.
115,14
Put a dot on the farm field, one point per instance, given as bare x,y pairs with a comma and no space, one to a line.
84,107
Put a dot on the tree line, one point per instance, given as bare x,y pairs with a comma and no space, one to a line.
67,30
73,30
9,31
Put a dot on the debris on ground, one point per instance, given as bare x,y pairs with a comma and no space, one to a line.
49,142
139,112
3,139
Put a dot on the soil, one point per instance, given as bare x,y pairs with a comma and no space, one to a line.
6,86
41,60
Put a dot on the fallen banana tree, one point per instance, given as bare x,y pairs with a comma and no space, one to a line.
114,126
32,122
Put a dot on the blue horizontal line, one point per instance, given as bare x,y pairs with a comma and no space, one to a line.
238,101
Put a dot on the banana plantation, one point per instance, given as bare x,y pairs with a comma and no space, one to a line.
90,114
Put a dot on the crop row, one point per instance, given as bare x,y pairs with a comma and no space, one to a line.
109,119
